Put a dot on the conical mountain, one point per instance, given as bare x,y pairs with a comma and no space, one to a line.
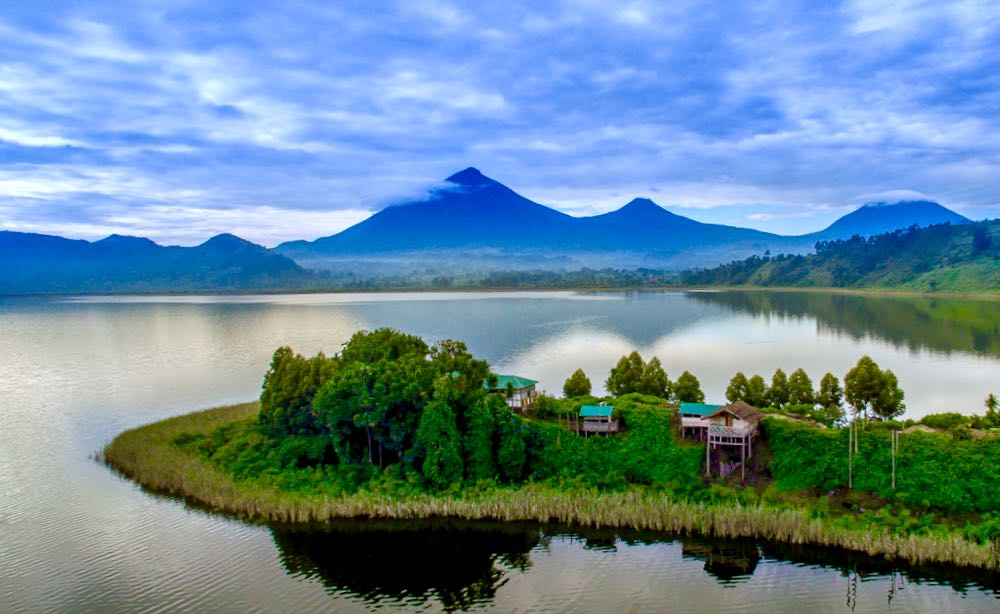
877,218
473,211
469,211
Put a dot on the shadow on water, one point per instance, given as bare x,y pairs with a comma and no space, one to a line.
458,563
461,564
939,324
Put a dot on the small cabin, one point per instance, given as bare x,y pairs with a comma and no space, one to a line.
520,391
597,419
733,425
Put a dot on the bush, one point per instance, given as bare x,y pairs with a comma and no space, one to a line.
945,420
932,470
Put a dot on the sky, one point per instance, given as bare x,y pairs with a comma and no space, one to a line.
293,120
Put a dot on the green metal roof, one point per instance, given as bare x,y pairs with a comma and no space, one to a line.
516,381
698,409
596,411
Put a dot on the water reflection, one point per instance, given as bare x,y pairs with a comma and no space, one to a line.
459,564
729,561
941,324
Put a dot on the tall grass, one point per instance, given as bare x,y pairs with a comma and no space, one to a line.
146,455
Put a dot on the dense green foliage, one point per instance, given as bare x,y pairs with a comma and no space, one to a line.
962,258
790,394
632,374
932,470
289,388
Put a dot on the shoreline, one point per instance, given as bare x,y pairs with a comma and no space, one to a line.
145,455
982,295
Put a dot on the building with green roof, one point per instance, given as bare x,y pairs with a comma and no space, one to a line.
597,419
520,391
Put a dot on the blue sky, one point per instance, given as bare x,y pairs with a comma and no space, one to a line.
277,121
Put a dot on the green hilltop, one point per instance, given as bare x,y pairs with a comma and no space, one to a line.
943,257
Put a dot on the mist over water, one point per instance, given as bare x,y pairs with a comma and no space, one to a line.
76,371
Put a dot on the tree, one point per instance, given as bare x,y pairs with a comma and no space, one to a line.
869,389
511,452
738,389
577,385
289,386
688,389
777,394
888,404
756,391
477,445
626,376
992,417
830,394
800,388
437,437
654,380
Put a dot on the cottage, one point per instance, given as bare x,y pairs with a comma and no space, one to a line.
732,425
520,391
597,419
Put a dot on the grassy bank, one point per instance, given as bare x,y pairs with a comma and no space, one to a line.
148,455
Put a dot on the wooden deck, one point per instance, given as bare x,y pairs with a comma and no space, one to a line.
599,427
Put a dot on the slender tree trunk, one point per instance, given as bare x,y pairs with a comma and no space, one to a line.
369,433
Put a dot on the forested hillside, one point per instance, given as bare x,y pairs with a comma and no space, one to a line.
961,258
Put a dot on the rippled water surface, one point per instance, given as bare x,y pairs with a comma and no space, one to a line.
74,372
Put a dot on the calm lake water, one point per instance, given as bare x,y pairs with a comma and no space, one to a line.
76,371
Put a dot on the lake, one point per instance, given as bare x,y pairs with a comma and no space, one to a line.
76,371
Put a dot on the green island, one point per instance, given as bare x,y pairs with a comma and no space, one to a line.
393,428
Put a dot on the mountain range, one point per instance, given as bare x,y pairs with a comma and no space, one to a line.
476,222
36,263
469,224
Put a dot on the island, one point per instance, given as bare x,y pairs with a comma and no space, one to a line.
394,428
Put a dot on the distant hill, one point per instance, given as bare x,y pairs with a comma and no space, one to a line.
474,223
36,263
877,218
960,258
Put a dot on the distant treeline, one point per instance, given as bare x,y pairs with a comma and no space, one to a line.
943,257
582,278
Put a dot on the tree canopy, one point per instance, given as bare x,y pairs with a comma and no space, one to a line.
688,389
632,374
387,397
869,389
577,385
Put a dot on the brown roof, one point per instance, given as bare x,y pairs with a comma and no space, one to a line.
740,409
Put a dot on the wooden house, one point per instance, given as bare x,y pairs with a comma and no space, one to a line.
597,419
520,391
732,425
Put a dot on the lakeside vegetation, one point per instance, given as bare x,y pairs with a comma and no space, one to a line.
393,428
943,257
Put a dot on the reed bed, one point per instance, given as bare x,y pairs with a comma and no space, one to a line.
146,455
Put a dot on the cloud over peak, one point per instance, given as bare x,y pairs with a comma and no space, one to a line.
774,114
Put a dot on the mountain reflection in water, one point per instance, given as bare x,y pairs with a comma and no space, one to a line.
457,565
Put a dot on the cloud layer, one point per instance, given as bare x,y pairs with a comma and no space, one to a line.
276,121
